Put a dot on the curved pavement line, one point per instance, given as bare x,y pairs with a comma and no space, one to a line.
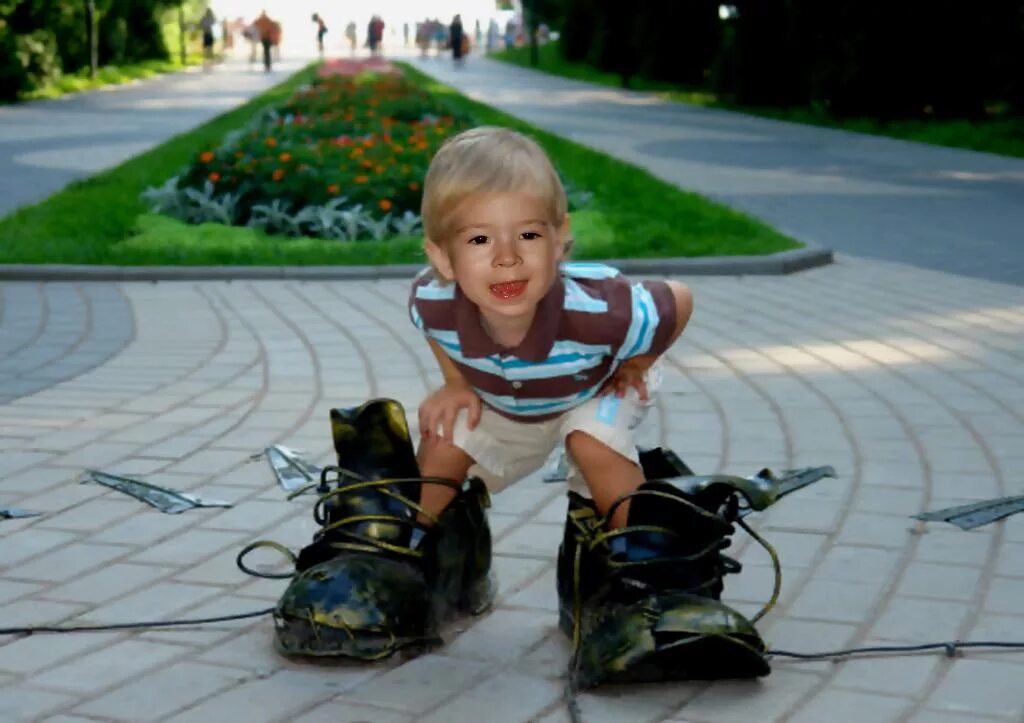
783,262
38,350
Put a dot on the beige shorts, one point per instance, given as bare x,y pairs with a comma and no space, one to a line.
506,451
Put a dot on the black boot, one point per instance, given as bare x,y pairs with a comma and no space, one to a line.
643,604
374,579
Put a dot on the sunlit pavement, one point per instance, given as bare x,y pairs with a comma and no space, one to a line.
909,381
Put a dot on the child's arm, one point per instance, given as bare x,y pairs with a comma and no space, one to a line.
441,408
630,373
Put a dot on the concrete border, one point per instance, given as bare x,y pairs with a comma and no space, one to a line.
784,262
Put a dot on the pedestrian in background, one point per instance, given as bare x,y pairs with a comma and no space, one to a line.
266,29
350,35
321,31
207,23
455,37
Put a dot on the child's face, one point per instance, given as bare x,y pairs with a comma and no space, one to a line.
503,253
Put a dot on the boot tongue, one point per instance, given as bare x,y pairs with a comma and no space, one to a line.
693,533
372,441
693,530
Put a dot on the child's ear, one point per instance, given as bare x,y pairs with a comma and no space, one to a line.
439,259
565,239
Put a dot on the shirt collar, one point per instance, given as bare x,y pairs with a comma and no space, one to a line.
535,347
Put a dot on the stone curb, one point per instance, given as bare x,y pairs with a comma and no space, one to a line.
784,262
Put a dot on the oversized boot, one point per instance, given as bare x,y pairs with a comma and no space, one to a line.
643,603
375,579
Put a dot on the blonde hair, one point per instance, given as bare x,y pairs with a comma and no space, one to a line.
487,159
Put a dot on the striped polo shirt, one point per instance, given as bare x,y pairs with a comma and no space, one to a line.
586,325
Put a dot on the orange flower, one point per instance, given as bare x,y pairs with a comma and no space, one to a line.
397,148
333,189
206,156
368,143
385,204
366,163
379,169
271,142
362,179
278,174
285,157
214,176
356,152
413,186
439,130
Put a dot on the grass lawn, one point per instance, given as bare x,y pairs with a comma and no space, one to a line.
101,220
997,135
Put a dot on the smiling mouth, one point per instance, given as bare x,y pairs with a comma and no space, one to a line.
508,289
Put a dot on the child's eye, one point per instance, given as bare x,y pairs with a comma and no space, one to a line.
530,235
477,240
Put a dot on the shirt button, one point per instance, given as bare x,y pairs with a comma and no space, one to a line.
517,385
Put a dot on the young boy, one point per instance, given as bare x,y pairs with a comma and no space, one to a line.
533,351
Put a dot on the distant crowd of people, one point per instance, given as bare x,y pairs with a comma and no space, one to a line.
264,34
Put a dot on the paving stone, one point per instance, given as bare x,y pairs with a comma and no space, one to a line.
277,697
849,563
107,666
900,676
533,540
29,704
188,547
28,544
36,652
93,514
540,593
106,583
916,619
161,693
421,684
1005,595
844,705
33,612
980,686
252,650
932,579
508,697
67,562
156,602
341,710
875,530
834,600
513,573
947,544
503,635
744,701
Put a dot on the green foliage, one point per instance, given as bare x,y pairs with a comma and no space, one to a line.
906,60
50,38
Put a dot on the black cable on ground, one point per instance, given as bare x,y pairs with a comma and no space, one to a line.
31,630
950,648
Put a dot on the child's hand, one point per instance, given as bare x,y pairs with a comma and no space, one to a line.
631,374
442,407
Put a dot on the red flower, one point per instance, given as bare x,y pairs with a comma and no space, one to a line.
206,156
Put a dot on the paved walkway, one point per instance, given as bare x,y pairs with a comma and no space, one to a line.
934,207
46,144
909,381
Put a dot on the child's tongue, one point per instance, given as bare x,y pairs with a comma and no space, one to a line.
508,289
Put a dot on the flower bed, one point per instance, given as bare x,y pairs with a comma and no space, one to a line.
343,158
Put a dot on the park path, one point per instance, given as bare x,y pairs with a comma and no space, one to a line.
909,381
933,207
46,144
